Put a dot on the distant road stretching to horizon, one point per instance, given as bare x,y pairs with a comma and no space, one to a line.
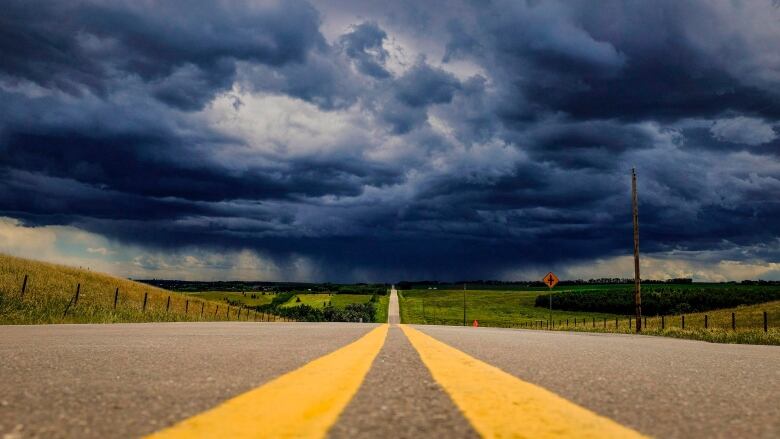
370,380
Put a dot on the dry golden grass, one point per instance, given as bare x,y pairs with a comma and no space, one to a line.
51,287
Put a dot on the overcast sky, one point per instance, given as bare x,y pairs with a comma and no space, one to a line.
386,140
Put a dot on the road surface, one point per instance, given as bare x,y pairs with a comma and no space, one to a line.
189,379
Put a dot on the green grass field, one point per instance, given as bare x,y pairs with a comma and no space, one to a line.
320,300
51,287
501,308
490,308
381,309
244,298
340,301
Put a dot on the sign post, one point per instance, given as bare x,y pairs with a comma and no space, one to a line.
550,280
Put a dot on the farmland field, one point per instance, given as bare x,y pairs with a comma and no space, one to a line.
517,309
320,300
340,301
246,299
491,308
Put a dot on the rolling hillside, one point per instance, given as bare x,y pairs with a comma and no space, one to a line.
51,289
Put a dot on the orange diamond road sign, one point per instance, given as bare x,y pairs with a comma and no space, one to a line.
550,280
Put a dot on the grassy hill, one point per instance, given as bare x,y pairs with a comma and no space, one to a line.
51,288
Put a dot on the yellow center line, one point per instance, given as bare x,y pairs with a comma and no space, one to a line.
501,405
303,403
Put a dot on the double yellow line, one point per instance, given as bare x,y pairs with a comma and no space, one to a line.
308,401
501,405
303,403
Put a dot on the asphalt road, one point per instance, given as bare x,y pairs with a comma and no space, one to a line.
128,380
662,387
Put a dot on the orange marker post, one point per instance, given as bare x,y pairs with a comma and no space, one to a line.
550,280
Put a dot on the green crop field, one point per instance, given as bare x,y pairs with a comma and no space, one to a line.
320,300
313,300
246,299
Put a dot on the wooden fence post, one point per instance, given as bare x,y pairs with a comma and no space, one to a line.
682,318
168,305
74,300
216,311
202,305
663,323
766,327
733,322
239,313
186,306
705,321
116,297
146,295
24,287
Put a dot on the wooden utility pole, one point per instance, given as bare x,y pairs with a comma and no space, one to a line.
637,292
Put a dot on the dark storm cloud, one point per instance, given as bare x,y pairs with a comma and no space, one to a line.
420,87
364,45
659,60
186,51
423,85
122,167
471,139
50,200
